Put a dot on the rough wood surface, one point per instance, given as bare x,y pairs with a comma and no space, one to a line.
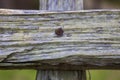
61,5
91,39
61,75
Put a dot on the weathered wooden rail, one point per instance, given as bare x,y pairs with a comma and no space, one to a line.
91,39
60,40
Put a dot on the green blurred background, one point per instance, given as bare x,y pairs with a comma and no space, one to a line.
34,4
31,74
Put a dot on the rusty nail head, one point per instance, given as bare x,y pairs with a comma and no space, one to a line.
59,32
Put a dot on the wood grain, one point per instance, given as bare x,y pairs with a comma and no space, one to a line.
61,5
91,39
61,75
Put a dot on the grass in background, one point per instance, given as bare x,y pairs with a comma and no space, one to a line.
31,74
104,75
17,74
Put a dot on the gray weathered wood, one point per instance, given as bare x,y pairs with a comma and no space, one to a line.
61,5
91,39
60,75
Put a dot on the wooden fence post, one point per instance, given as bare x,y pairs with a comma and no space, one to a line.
61,75
61,5
90,40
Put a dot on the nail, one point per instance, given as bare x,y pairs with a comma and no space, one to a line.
59,32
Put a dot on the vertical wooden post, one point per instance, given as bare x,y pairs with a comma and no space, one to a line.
62,5
61,75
